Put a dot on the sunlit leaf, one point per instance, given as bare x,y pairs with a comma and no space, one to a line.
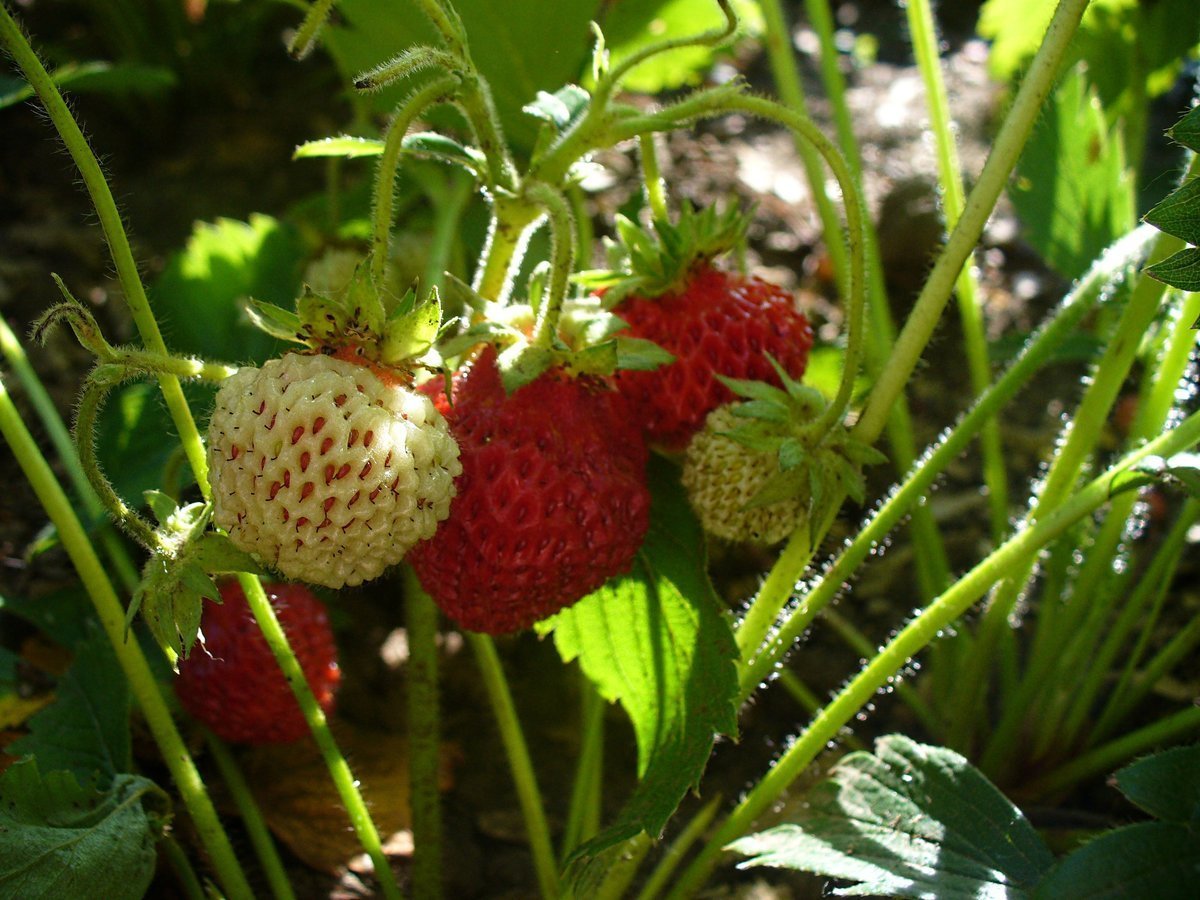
1166,785
909,820
656,641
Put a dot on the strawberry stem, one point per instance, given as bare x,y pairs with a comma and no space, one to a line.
129,653
652,179
339,770
519,761
562,260
437,91
423,738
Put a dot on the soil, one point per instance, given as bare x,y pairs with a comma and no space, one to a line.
223,149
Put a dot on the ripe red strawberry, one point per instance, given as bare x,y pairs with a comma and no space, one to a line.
327,469
716,323
713,322
232,683
552,501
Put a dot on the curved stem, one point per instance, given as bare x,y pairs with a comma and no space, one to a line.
252,818
14,42
306,35
562,260
1035,353
129,653
518,759
437,91
913,638
508,234
424,746
923,30
656,197
339,770
1006,148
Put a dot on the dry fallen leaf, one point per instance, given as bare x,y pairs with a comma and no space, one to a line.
301,805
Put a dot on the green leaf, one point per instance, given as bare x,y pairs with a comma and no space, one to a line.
1182,469
632,25
60,840
344,145
431,145
64,615
280,323
1150,859
520,47
908,821
1187,130
1166,785
1073,193
641,355
562,108
200,298
100,77
1180,270
1179,213
657,642
86,729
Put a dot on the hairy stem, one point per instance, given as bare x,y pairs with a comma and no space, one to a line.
129,653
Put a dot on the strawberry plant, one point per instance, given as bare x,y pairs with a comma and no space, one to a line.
516,445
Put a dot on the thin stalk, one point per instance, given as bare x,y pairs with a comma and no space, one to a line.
1133,685
584,812
912,639
252,818
129,653
562,261
424,744
64,446
189,882
675,854
656,197
436,91
785,74
519,761
923,31
508,235
339,770
932,564
1108,375
803,695
1151,586
1006,148
1105,759
14,42
1035,354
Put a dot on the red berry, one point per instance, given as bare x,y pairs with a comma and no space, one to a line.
231,681
718,323
552,501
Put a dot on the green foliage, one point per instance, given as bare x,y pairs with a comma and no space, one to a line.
1132,49
200,295
915,821
98,77
60,839
521,47
657,642
85,730
908,821
1073,192
1179,215
632,25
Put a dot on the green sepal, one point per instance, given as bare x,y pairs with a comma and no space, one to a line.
639,354
323,320
792,453
656,262
783,485
460,294
412,328
486,332
275,321
161,505
521,363
599,359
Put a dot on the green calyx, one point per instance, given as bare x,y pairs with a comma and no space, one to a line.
587,342
179,574
657,261
363,317
812,464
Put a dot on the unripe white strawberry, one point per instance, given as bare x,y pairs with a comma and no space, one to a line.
328,470
723,477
